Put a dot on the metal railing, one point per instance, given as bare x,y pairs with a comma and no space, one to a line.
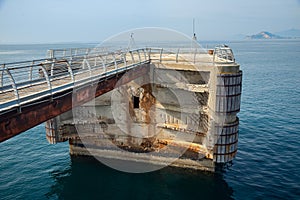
30,81
22,82
223,54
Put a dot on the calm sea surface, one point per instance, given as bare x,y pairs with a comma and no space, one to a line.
267,164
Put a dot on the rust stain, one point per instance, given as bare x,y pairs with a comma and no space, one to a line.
131,108
14,123
187,145
147,101
82,95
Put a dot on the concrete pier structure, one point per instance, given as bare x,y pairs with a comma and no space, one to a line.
152,105
180,108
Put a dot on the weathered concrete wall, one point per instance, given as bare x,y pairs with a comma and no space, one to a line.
185,106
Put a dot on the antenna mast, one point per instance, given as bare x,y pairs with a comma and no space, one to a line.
194,34
194,25
131,43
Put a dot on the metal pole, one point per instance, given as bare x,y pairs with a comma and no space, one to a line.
103,63
132,58
149,53
2,71
145,56
139,56
14,86
124,59
195,52
47,78
115,62
52,66
70,71
177,55
160,56
88,64
30,70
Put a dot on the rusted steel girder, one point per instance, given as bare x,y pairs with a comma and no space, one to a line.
14,122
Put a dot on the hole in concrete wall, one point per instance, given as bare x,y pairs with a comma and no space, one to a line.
136,102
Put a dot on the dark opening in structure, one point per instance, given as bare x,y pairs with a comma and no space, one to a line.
136,102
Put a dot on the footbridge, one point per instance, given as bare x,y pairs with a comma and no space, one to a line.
32,92
36,91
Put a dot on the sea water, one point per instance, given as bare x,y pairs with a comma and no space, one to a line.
267,165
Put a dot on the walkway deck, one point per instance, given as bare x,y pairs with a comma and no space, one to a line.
38,84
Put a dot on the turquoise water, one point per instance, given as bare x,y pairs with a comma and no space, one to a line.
266,167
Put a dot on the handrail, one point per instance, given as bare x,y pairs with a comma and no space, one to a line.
25,81
223,54
45,77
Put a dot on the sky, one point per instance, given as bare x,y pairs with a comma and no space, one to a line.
45,21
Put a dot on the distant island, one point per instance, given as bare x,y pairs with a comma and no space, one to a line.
264,35
288,34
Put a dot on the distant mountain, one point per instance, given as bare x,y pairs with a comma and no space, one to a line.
264,35
291,33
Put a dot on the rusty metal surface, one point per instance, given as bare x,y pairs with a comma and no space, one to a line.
14,122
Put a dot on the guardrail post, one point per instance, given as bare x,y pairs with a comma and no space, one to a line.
145,56
88,65
124,59
1,78
139,56
83,64
177,55
95,63
214,56
149,53
160,56
70,71
115,62
103,63
71,60
51,53
30,70
47,78
14,86
52,67
132,58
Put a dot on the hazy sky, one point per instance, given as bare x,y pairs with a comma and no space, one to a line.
35,21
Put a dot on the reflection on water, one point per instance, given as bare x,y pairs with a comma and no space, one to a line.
88,178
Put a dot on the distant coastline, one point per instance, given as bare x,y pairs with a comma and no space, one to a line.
288,34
